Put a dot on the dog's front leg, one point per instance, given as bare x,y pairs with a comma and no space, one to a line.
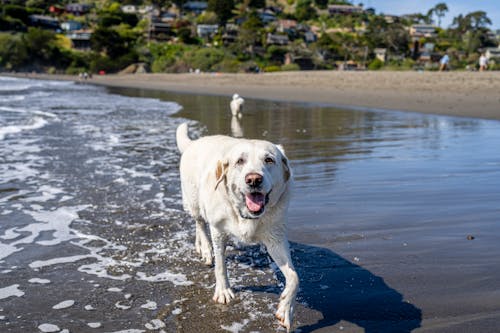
223,293
280,252
202,243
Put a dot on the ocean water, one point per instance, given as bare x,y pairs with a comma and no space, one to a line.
80,171
91,217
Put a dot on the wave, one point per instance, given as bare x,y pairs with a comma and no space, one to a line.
15,98
34,123
8,84
26,111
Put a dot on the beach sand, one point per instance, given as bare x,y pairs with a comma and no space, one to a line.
466,94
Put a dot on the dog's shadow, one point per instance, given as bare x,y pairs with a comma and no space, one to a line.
343,291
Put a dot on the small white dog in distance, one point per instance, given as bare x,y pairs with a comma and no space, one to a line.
237,105
238,187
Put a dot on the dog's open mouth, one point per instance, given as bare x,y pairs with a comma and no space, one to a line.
256,202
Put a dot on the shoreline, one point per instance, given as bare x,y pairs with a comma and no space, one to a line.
393,227
462,94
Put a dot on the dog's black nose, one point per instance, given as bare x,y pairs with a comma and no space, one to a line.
253,179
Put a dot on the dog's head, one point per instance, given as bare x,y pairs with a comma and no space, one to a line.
255,174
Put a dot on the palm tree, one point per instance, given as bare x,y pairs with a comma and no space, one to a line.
439,10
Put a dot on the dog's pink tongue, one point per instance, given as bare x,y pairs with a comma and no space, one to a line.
255,201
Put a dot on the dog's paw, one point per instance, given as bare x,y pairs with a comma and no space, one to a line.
206,253
223,295
285,314
207,256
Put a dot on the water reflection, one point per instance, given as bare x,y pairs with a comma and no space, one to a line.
355,164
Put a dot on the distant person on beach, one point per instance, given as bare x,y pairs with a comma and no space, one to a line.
483,62
445,60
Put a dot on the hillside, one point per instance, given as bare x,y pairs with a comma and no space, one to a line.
233,36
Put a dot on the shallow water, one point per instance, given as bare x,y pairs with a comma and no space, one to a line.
412,198
359,171
382,206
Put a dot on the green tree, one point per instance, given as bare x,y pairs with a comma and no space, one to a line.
305,11
13,52
40,43
470,31
257,3
478,19
204,59
439,10
222,8
16,12
375,32
393,36
250,34
321,3
116,43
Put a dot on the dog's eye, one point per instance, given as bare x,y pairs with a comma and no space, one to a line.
240,161
269,160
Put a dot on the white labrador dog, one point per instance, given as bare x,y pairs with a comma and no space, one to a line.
236,105
238,187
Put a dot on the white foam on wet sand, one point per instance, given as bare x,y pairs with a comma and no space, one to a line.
177,279
235,327
11,291
155,324
64,304
48,328
150,305
39,281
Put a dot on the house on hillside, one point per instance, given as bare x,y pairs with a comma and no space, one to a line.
168,17
71,26
45,22
423,30
196,7
275,39
160,30
148,10
344,9
493,54
78,8
267,17
391,18
285,26
310,37
206,30
230,34
129,9
80,39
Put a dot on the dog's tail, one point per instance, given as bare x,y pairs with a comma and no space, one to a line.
183,140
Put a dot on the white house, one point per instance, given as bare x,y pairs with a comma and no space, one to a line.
71,25
206,30
344,9
423,30
493,53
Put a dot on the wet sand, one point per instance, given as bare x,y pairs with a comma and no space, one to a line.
465,94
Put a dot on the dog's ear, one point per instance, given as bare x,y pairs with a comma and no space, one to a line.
284,162
220,172
286,168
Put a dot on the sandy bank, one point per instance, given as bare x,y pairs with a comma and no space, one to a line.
468,94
